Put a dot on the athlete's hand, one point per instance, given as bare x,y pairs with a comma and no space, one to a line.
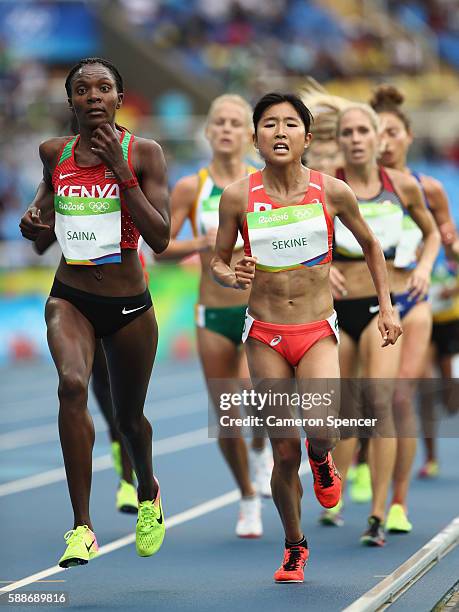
31,225
418,283
207,241
389,326
337,283
245,272
106,145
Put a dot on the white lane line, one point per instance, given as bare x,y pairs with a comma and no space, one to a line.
407,574
177,519
165,446
40,434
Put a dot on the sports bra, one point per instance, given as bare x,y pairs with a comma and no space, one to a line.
288,237
383,214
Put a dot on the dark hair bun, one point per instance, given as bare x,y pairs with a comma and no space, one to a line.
386,97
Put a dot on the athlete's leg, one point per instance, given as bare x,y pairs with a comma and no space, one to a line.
380,363
266,363
417,327
130,355
258,442
219,359
348,361
101,387
71,342
321,361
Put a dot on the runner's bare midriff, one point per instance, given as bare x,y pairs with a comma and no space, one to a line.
214,295
358,281
398,278
120,279
291,297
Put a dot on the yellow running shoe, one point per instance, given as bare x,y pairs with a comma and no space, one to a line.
81,547
360,490
126,498
116,457
150,529
397,521
331,517
430,469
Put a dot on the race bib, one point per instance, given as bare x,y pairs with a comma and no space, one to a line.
385,221
88,229
208,217
410,240
287,237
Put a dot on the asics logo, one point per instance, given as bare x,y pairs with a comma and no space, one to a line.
373,309
125,311
99,206
275,341
63,176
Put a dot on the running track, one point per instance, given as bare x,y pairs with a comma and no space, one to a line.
202,565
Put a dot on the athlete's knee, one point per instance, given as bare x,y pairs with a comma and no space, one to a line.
287,454
73,387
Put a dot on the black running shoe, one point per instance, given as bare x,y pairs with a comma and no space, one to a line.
374,535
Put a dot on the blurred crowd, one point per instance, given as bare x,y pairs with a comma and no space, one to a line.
237,41
440,16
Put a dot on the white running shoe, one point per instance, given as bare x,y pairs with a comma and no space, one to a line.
262,467
249,524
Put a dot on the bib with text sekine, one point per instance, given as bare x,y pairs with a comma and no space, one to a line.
284,238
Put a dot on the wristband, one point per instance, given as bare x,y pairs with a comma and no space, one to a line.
129,184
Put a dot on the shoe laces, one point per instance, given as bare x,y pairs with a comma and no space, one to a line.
146,515
375,525
294,558
76,535
324,473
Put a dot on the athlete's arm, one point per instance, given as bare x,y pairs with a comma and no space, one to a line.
148,203
344,204
231,203
412,199
439,206
37,223
183,197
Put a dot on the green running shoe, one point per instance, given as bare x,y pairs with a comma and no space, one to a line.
360,491
81,547
351,474
150,529
126,498
332,516
116,457
397,521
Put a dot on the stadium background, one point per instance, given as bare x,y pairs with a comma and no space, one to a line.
175,56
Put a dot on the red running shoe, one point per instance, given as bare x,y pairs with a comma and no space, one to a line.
292,568
327,480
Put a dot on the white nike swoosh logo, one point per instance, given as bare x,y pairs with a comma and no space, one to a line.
124,311
373,309
63,176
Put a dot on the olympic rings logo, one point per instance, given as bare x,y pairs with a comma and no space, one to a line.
302,214
99,207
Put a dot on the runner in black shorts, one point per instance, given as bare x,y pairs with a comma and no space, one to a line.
107,188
